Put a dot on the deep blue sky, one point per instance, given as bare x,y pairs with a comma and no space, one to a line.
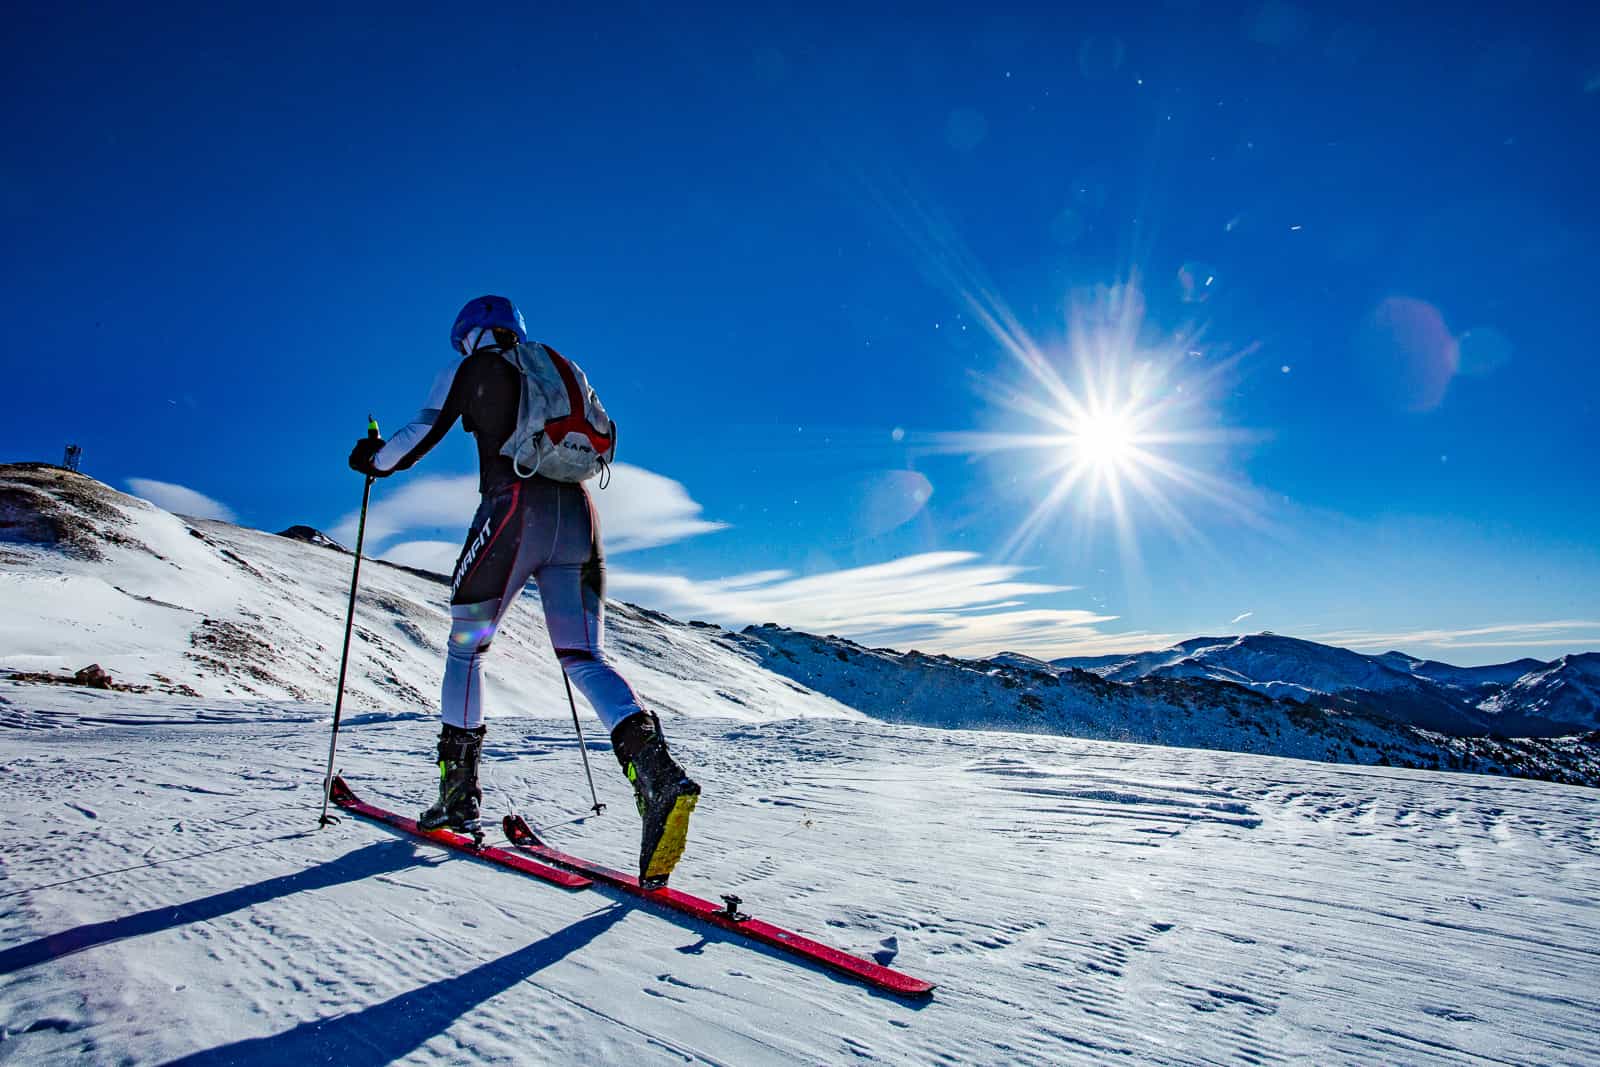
232,235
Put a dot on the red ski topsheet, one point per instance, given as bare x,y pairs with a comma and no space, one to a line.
346,798
844,963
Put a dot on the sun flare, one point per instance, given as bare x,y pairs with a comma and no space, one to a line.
1112,426
1104,440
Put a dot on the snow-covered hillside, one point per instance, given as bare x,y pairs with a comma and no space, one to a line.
88,574
166,898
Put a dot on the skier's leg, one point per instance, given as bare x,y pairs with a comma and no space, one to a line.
472,628
665,795
491,571
574,613
572,586
459,794
491,562
574,604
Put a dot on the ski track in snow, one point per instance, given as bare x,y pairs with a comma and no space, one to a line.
166,898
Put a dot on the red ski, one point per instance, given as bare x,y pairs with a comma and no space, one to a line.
728,917
346,798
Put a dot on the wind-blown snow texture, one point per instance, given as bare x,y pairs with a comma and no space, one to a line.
164,896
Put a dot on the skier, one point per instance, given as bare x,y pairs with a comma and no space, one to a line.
540,429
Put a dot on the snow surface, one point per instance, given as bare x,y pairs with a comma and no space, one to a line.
165,897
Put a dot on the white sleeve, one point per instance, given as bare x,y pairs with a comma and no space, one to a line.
401,444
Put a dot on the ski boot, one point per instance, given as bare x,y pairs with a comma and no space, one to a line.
459,795
665,795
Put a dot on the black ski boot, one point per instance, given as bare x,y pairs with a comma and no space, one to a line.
666,796
459,795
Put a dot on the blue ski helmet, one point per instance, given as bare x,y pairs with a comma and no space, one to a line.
492,312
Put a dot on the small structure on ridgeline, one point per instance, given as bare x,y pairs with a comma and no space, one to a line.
73,457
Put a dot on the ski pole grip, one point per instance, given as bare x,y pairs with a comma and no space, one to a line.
372,429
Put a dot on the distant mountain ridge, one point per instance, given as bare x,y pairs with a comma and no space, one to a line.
1016,692
311,536
1566,691
1526,697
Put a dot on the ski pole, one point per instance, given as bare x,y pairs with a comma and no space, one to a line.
349,624
583,749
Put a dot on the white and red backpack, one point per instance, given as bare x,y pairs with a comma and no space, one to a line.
563,431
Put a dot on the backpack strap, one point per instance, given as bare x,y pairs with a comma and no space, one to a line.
576,421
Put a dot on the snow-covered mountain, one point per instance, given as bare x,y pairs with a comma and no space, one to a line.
1566,692
1011,693
1307,672
209,609
1486,679
1464,701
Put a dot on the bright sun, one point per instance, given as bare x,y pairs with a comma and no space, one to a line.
1105,440
1123,428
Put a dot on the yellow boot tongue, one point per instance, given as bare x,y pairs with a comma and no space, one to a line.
669,849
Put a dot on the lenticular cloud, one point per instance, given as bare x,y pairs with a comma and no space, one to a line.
180,499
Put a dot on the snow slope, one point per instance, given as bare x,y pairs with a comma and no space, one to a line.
165,898
208,608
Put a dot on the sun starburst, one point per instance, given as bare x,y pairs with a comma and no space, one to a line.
1112,427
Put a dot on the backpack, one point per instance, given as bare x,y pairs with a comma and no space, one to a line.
562,431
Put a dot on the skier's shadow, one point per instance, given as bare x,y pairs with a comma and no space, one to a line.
379,858
385,1032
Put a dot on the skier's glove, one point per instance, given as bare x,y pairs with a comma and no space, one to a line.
362,456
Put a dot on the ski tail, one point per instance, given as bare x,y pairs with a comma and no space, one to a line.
519,833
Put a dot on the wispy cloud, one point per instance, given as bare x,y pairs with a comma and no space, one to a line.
1556,633
936,601
1243,615
638,509
180,499
642,509
413,503
951,602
